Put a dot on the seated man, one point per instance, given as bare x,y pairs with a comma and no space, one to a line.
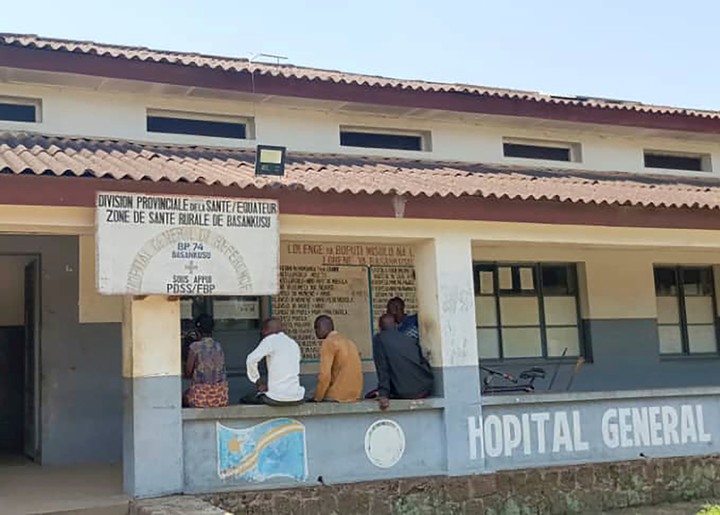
340,378
282,357
205,367
407,324
402,370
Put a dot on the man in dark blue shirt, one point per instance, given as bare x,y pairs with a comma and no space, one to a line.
402,370
407,324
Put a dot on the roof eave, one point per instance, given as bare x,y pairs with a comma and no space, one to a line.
266,84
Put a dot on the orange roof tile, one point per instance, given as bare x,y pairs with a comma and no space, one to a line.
23,153
232,64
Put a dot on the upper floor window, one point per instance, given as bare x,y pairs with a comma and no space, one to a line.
197,124
541,149
677,161
14,109
686,310
384,138
526,310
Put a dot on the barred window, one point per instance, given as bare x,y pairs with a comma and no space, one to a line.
527,310
686,308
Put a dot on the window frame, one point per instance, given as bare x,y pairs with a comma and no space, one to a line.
206,304
574,149
678,270
425,137
35,103
245,121
704,158
537,293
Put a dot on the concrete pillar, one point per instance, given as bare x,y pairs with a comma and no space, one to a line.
447,328
152,407
620,322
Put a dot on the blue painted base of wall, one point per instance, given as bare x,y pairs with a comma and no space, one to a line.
335,446
152,436
448,438
461,392
570,429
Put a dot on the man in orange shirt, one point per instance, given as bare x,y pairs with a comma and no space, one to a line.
340,378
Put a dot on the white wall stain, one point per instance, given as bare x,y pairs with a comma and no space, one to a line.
457,307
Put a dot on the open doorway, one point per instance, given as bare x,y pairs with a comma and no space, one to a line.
19,356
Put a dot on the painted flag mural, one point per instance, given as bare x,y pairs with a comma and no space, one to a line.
275,448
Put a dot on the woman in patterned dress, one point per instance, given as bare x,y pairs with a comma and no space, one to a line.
206,369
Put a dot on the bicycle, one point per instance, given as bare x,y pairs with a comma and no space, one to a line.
515,385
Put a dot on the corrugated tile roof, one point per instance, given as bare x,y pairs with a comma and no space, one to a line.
291,71
24,153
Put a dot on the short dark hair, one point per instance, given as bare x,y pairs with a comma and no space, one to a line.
325,319
205,324
272,325
398,301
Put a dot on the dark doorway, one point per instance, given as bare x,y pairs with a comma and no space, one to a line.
12,385
19,323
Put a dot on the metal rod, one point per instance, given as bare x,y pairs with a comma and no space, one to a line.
578,365
557,369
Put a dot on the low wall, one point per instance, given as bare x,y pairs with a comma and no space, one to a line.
572,489
572,428
251,447
326,443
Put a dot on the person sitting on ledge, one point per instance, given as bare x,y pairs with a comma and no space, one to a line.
402,370
407,324
282,357
205,368
340,378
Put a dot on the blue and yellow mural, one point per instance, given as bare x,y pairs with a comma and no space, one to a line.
275,448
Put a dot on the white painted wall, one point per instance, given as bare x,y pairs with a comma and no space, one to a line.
85,112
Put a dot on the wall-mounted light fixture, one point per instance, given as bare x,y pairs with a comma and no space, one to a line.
270,160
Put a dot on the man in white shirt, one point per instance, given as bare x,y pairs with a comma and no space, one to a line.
282,357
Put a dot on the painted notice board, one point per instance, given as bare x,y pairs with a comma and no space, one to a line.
186,246
351,282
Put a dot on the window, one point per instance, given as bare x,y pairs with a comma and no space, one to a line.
390,139
538,149
19,109
229,313
237,325
216,126
526,310
686,310
677,161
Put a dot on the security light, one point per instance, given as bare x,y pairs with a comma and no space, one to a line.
270,160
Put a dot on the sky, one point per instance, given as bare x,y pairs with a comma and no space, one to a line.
655,51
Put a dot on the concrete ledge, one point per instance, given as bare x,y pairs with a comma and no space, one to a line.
309,409
551,398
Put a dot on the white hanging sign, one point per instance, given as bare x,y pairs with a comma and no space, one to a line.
181,246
